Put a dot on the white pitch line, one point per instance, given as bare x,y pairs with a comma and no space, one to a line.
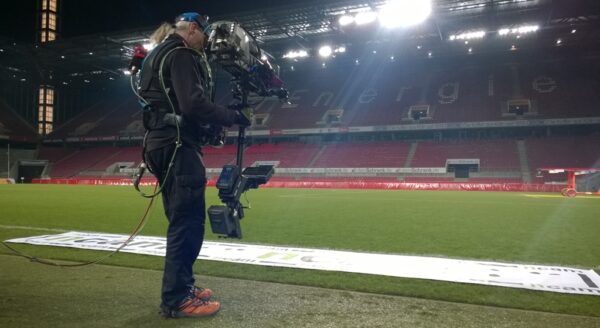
31,228
557,196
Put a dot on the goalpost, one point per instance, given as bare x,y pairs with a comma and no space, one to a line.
579,180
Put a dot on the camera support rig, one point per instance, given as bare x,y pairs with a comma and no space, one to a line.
236,51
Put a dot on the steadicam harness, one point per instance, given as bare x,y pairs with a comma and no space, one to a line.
157,117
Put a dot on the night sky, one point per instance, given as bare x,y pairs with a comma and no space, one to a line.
81,17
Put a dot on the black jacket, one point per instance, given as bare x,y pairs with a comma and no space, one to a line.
188,90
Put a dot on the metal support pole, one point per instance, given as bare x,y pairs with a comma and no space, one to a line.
241,140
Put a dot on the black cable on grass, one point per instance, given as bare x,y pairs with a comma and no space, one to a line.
133,234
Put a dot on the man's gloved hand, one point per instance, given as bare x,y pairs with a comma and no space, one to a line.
244,116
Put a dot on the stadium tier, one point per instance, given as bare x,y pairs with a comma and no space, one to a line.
380,154
564,152
287,155
373,94
497,160
495,155
217,157
13,126
91,161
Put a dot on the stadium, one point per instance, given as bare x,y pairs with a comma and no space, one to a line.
434,164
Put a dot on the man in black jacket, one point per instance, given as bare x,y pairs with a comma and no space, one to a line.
175,82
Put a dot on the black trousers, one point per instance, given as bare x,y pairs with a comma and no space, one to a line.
183,200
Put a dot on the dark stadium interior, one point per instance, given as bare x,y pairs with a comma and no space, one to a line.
390,100
408,163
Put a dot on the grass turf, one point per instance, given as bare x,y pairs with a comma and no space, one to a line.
60,302
493,226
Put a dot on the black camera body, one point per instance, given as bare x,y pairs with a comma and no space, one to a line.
225,219
235,50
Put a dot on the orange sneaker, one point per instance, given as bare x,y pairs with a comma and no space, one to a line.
202,293
195,307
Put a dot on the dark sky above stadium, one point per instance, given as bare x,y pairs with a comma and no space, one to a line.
81,17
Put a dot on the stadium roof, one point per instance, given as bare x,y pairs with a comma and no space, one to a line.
310,24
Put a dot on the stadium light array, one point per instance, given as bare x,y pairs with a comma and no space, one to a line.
345,20
404,13
365,17
394,13
468,36
525,29
293,54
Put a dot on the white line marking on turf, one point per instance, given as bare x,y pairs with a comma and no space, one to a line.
558,196
2,226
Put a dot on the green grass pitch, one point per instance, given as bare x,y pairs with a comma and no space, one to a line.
509,227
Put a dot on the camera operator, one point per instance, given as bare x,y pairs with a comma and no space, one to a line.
175,82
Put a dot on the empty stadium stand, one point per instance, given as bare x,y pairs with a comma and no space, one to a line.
65,163
287,155
574,152
381,93
494,155
500,160
13,126
379,154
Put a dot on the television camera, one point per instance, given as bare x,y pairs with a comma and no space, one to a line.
233,49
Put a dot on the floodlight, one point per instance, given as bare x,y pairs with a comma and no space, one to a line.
524,29
345,20
325,51
365,17
403,13
292,54
468,35
528,29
